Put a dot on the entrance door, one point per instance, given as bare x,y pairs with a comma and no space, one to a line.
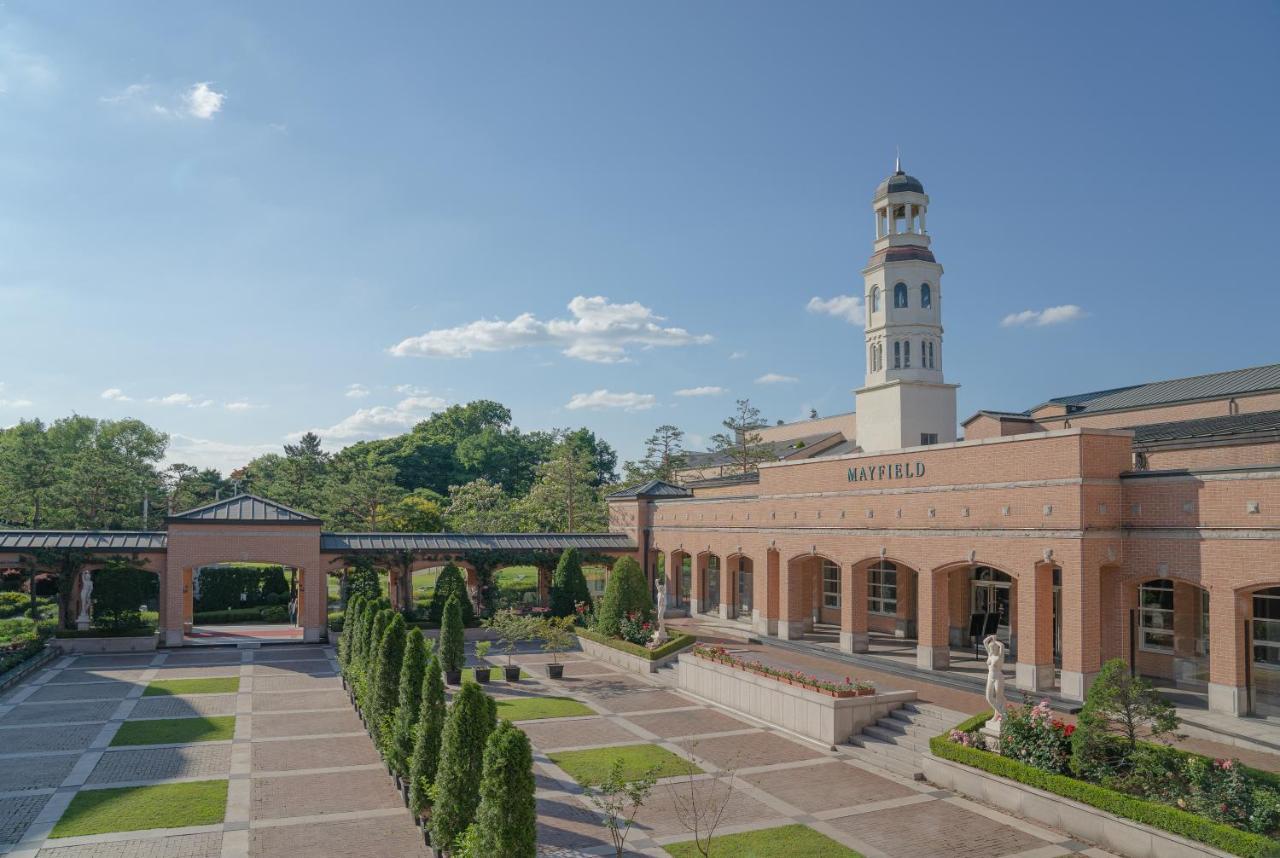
712,586
745,588
991,595
686,581
1265,638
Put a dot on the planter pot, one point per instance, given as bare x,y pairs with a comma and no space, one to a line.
555,671
453,677
482,674
512,673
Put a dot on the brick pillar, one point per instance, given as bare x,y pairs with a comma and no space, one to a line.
314,615
544,586
728,587
853,609
696,588
904,624
1227,615
767,600
932,619
1035,628
793,609
1082,622
393,590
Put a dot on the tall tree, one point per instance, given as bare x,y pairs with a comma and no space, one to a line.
471,719
360,493
426,747
742,444
480,506
28,472
566,497
663,456
507,817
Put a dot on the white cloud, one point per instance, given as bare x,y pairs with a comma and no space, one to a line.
237,406
599,332
1039,318
24,72
13,403
129,93
357,391
706,390
206,453
115,394
380,420
203,102
605,399
737,355
776,378
847,307
174,399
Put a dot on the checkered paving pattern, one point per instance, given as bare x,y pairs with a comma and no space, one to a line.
35,772
185,706
18,813
183,846
192,761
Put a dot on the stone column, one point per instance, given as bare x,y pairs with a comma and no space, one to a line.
728,587
922,226
1035,670
1227,615
792,607
893,221
932,614
1082,620
854,635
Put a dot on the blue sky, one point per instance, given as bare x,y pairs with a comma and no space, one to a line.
240,221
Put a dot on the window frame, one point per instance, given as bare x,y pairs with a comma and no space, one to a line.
882,590
1146,610
926,296
830,585
900,299
897,354
1270,643
875,299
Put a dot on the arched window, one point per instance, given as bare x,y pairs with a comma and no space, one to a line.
906,354
1155,617
875,299
882,588
900,295
926,296
830,584
930,345
897,354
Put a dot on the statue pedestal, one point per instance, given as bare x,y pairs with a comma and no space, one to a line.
990,733
82,625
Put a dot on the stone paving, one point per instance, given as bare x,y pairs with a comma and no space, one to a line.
305,780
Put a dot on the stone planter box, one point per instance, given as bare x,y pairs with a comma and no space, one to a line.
141,643
625,660
830,720
1113,833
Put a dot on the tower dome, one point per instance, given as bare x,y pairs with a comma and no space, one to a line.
898,183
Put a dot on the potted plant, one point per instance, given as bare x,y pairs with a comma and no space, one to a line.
482,669
511,627
557,636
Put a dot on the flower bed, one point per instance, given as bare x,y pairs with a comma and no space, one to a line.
629,656
849,688
677,642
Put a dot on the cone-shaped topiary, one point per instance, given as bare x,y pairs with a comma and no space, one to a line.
451,636
451,582
399,747
350,622
568,585
386,680
355,656
426,746
369,664
626,592
507,817
466,729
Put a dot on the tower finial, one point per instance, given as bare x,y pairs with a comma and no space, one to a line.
897,159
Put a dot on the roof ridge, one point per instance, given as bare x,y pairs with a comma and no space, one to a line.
189,513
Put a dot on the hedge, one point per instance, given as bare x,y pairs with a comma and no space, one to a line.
237,615
12,656
138,632
1157,815
678,642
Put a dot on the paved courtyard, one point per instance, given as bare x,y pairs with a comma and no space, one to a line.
304,778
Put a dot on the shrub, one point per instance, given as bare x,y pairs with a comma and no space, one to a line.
1118,708
426,747
633,628
274,614
350,622
12,604
118,595
1032,735
386,679
362,580
457,788
568,585
412,670
450,583
369,664
625,593
511,627
677,642
451,636
507,814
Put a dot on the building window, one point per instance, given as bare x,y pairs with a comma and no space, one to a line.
897,354
1266,628
900,295
830,584
930,348
1155,616
875,299
882,589
906,354
928,438
926,296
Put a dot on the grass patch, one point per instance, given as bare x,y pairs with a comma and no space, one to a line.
592,766
99,811
174,731
203,685
495,675
794,841
531,708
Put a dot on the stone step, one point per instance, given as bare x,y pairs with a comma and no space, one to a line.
912,729
931,710
922,723
918,744
888,756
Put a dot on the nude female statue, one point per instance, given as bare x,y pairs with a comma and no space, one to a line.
995,675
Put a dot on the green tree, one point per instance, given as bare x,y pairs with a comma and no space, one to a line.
369,661
450,583
568,585
566,497
386,679
452,642
360,493
619,800
416,513
119,590
466,730
507,816
743,444
664,456
1119,708
626,592
350,623
28,473
412,671
480,506
426,746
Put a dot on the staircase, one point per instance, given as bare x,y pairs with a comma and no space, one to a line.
897,742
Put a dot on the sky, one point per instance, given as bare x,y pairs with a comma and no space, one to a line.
242,221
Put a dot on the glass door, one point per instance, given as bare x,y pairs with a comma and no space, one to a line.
685,582
745,578
712,586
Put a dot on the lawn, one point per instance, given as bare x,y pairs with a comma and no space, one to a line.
99,811
204,685
174,731
532,708
794,841
592,766
495,675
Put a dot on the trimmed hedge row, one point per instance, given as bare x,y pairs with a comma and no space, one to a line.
1157,815
678,642
262,614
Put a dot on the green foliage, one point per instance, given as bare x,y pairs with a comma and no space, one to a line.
413,669
507,814
430,730
742,445
119,592
595,765
451,582
793,841
568,585
511,627
452,641
12,604
481,506
233,586
677,642
557,635
619,798
350,622
466,730
626,593
369,663
135,808
1118,706
362,579
386,679
1032,735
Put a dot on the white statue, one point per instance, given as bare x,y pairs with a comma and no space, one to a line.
995,680
86,590
660,636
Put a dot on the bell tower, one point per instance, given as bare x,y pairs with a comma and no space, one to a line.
904,401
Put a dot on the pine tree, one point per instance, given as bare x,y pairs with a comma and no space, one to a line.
568,585
451,636
386,679
627,592
412,670
350,621
426,747
466,730
507,817
451,582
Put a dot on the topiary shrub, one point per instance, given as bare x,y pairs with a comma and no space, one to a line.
350,622
426,746
413,668
369,664
118,595
452,642
451,582
568,585
507,817
362,580
625,593
386,679
457,788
